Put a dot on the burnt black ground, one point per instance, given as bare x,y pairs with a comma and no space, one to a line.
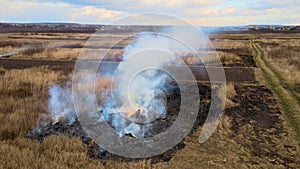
257,126
158,126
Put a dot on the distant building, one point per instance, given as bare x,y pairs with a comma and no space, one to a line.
273,27
253,27
286,28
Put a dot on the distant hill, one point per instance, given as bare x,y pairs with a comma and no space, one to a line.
89,28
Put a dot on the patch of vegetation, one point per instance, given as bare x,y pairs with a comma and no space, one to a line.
287,98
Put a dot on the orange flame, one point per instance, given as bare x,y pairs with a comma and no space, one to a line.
128,112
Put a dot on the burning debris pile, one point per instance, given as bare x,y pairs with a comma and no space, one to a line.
47,127
139,105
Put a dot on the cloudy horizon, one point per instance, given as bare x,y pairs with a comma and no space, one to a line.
197,12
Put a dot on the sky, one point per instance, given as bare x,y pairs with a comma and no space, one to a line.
197,12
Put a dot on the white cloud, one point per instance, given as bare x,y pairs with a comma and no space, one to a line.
199,12
203,12
142,5
92,14
33,11
229,10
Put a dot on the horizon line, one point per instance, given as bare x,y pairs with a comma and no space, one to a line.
107,24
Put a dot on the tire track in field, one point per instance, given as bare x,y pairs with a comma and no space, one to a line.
289,101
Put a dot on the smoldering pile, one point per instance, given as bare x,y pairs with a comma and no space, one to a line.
70,126
153,94
47,127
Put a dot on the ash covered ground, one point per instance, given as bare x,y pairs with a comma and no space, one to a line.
158,126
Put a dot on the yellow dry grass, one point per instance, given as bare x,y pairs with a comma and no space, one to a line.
52,44
23,98
229,58
229,44
53,54
6,49
217,152
286,59
230,94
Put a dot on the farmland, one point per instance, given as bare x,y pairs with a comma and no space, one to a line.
259,127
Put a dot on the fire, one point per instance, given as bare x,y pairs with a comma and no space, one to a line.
130,111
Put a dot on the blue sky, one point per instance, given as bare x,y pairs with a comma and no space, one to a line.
198,12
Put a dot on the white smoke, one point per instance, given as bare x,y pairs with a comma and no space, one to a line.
60,105
135,96
143,96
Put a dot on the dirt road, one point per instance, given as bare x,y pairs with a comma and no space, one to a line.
289,100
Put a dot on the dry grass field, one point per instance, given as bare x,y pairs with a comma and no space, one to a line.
56,46
284,55
254,131
279,70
